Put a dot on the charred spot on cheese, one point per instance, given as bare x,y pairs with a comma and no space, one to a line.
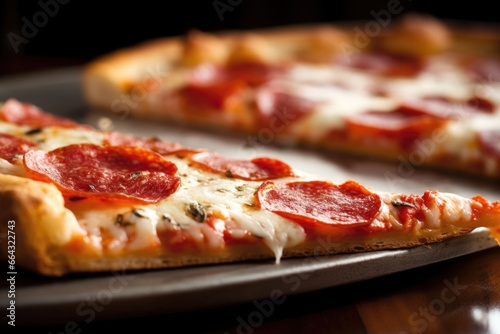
119,220
138,214
398,203
127,219
241,187
166,218
228,173
197,212
33,131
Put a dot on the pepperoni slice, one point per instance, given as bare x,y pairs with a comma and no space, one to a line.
219,86
384,64
11,147
485,70
278,110
404,128
154,144
489,141
481,104
311,203
444,108
258,169
18,113
112,172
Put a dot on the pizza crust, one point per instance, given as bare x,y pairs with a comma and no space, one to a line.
42,224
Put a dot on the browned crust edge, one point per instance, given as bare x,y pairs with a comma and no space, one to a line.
41,224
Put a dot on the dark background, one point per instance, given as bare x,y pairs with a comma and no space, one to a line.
76,31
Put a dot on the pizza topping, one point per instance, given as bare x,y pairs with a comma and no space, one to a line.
278,109
486,70
12,148
398,203
257,169
87,170
384,64
406,128
119,220
33,131
410,209
219,86
444,108
197,212
18,113
314,203
489,141
152,143
481,104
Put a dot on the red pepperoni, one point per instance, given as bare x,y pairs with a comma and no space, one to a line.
113,172
152,143
485,70
252,74
217,86
444,108
481,104
489,142
18,113
277,110
11,147
384,64
314,203
404,128
257,169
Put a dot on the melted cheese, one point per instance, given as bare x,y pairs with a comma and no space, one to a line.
343,91
445,209
231,199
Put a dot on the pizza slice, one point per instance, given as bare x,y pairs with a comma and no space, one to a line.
77,199
421,92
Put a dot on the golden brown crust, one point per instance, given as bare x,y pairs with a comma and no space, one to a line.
416,35
41,224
